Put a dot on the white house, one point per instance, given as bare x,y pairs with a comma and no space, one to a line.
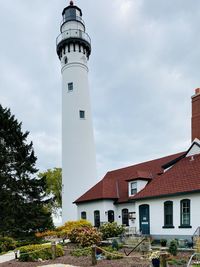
160,197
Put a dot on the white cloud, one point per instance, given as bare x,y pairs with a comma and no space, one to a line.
143,69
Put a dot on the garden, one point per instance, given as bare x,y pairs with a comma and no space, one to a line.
80,244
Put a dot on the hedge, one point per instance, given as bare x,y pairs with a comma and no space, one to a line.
35,252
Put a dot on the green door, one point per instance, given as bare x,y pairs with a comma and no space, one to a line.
144,219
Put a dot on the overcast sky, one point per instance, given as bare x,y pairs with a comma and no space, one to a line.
144,68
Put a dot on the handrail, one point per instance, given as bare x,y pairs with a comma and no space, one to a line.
190,260
73,33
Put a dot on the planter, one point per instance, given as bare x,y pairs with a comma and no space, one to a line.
155,262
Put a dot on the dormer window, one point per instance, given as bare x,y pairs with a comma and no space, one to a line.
133,188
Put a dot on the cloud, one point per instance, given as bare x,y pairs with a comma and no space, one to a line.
143,70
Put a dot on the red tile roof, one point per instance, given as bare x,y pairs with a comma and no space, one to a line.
182,177
114,184
144,175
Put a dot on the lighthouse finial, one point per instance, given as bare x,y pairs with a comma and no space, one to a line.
71,3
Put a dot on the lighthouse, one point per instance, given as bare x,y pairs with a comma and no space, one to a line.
73,47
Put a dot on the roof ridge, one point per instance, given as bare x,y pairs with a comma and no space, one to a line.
144,162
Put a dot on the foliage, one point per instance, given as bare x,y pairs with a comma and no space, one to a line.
163,242
115,244
155,255
22,196
53,180
111,230
35,252
65,231
176,262
6,244
85,236
197,245
112,254
46,233
29,241
173,247
81,252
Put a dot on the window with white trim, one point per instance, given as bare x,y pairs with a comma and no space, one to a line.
185,213
133,188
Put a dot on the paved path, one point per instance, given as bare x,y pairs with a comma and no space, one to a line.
7,257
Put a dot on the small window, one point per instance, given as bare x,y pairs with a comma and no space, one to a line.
83,215
133,188
96,218
70,87
111,216
185,213
168,214
66,60
82,114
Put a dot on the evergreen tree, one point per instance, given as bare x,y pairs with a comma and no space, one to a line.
22,196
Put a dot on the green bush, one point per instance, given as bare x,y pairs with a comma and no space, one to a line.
6,244
85,236
177,262
35,252
115,244
81,252
29,241
173,247
112,254
111,230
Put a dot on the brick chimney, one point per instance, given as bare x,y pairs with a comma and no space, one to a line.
196,114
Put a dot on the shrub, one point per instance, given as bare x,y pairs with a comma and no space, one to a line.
81,252
46,233
173,247
177,262
85,236
112,254
7,243
115,244
65,230
35,252
154,255
197,245
111,230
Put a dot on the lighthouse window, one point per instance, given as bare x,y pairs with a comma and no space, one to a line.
82,114
70,87
66,60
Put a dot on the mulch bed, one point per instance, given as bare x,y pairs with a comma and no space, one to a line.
84,262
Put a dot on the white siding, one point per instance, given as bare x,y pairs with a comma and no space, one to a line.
103,206
157,215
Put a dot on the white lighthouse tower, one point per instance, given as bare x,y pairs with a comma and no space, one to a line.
78,149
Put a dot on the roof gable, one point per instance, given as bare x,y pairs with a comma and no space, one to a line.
183,177
114,184
194,148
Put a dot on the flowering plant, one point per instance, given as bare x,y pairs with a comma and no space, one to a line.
155,255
